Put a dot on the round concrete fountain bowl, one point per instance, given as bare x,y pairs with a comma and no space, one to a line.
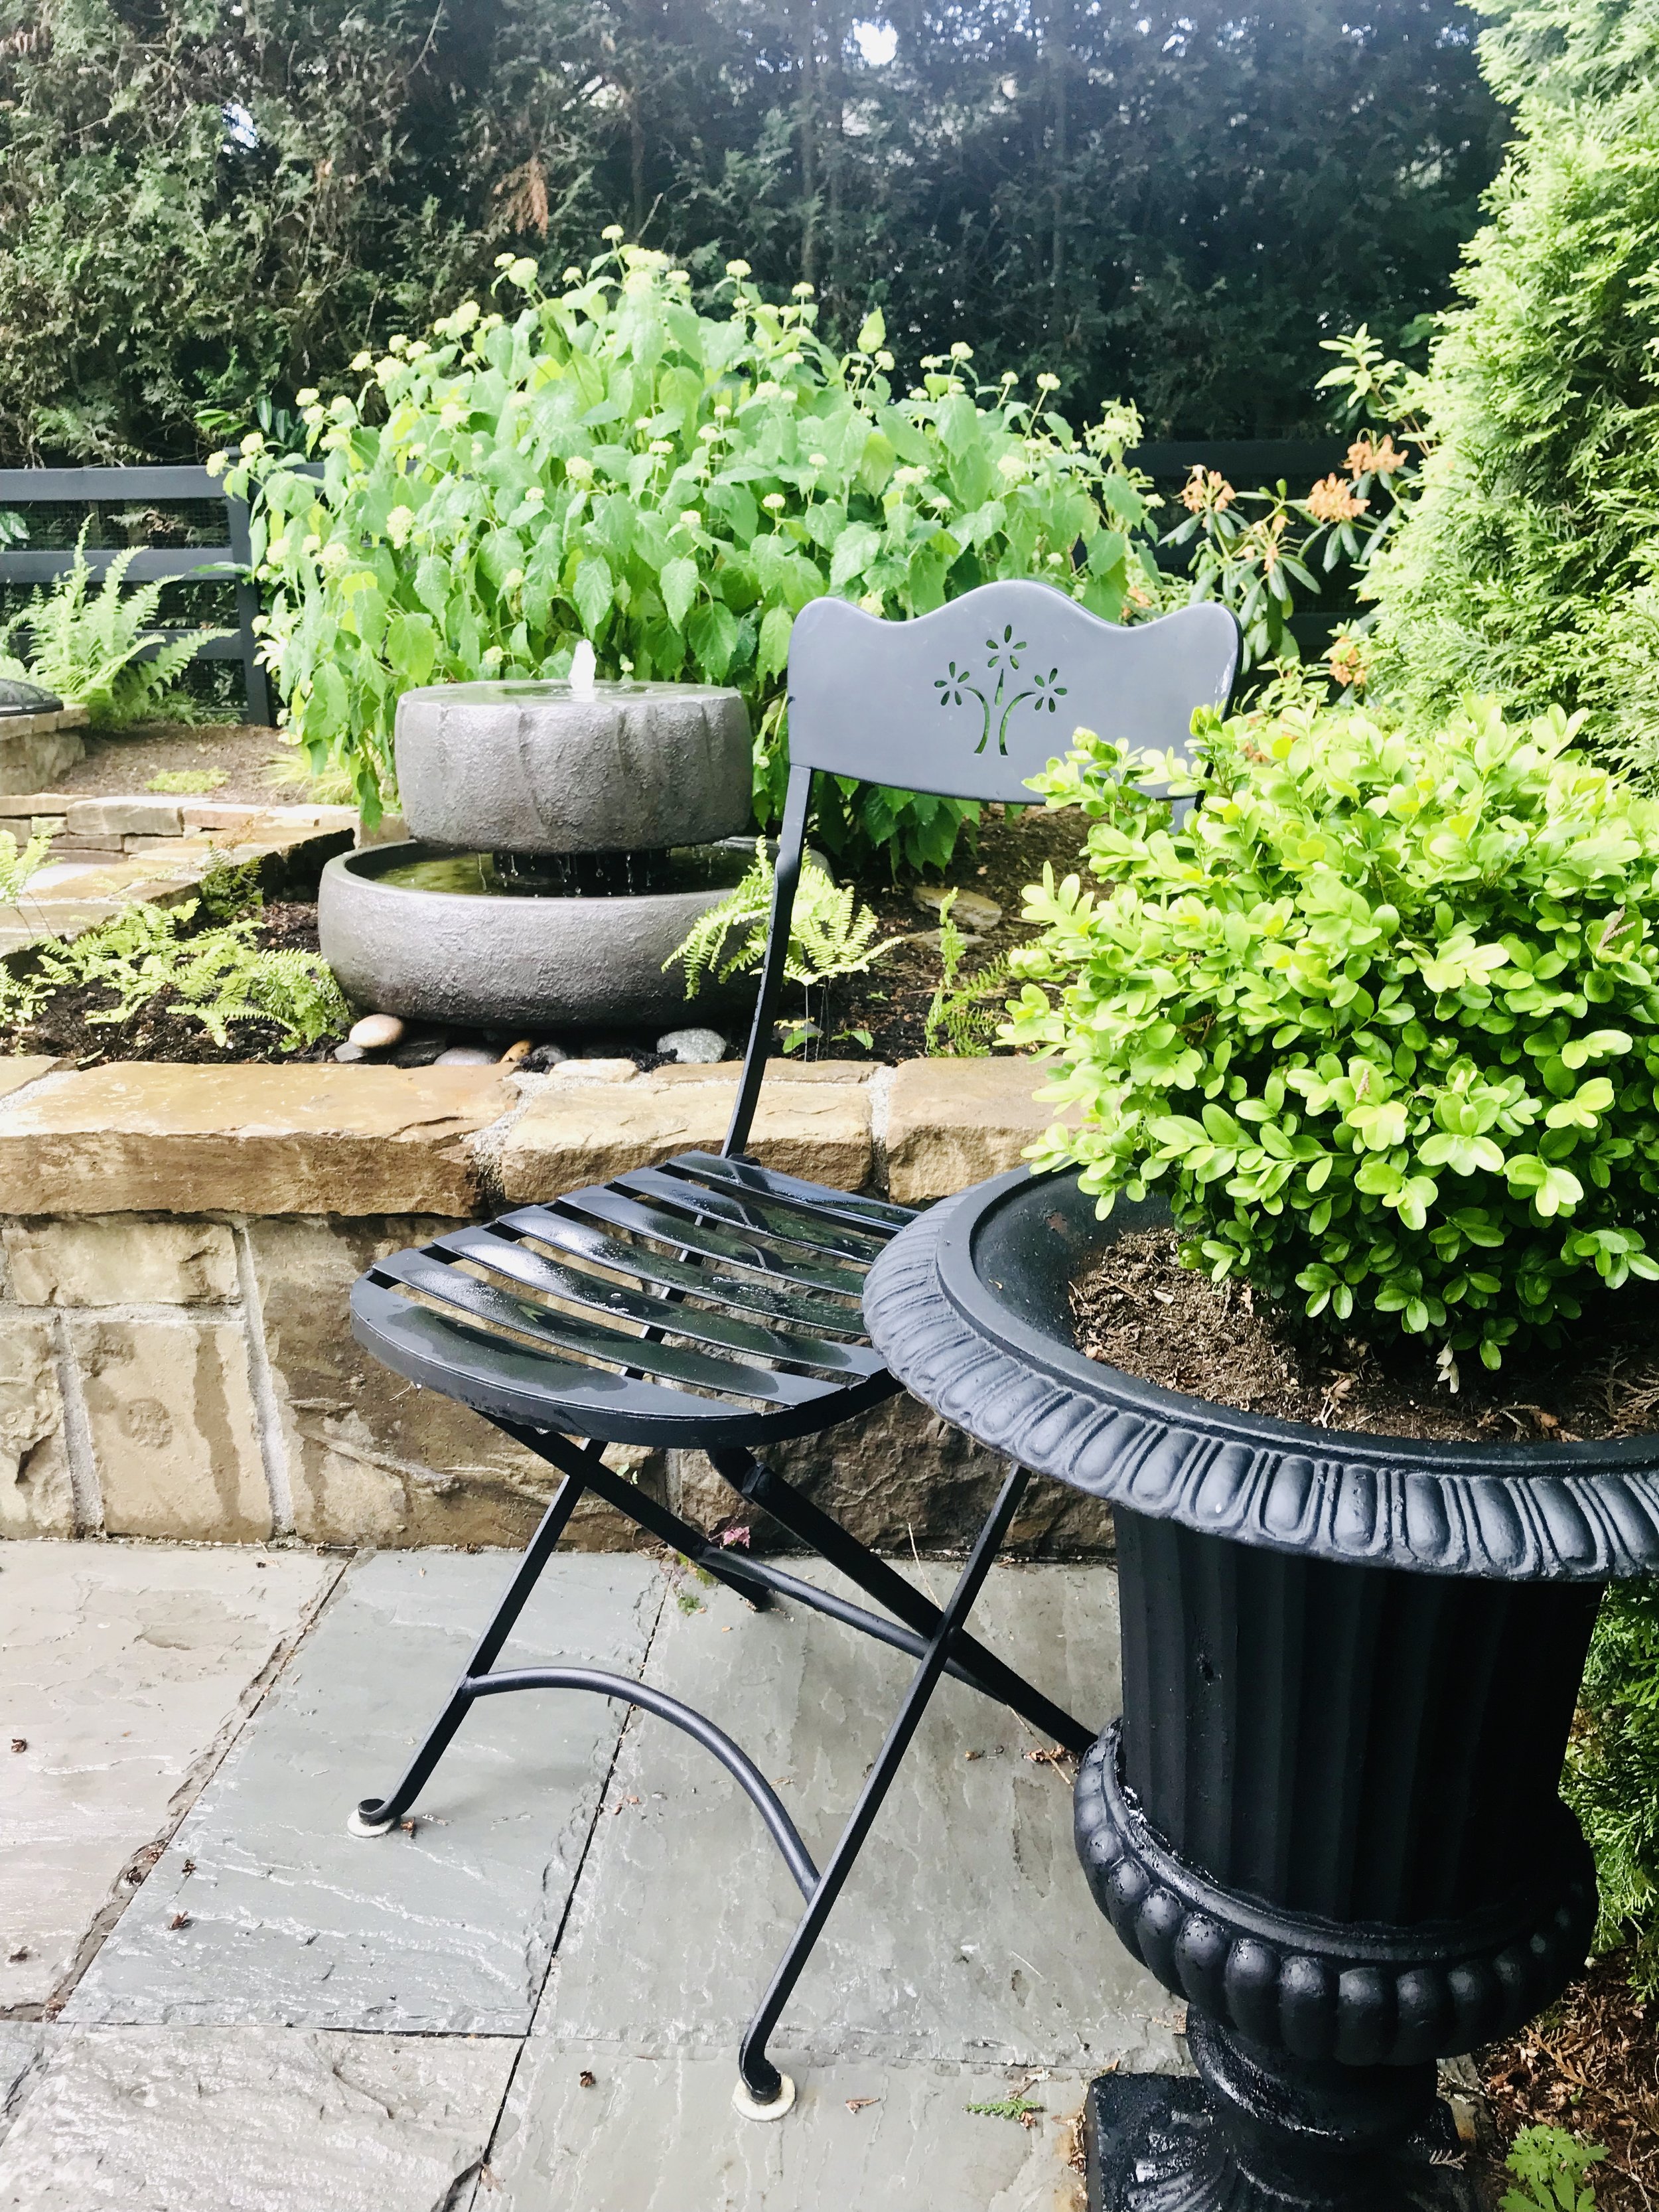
554,768
449,947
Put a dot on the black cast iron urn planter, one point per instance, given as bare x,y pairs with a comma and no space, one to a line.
1329,1817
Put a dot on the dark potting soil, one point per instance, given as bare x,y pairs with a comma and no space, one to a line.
1139,1310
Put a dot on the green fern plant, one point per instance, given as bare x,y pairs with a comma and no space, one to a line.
1554,2168
217,977
829,935
966,1011
91,646
17,866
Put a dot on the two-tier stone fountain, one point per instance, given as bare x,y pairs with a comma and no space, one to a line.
566,837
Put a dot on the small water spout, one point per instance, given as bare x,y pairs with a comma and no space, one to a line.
582,665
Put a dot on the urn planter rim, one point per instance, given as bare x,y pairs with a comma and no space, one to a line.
1558,1511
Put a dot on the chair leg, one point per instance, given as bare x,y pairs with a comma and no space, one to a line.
762,2092
376,1815
645,1512
753,1479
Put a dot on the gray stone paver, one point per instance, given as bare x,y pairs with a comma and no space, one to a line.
259,2057
966,1932
288,1920
253,2120
119,1668
659,2134
20,2047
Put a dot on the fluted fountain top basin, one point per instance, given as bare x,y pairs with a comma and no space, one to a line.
559,766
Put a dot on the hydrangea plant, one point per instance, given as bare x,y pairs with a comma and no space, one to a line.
1381,1015
608,463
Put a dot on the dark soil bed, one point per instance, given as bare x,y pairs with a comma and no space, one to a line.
119,766
1138,1308
891,1002
1590,2063
157,1031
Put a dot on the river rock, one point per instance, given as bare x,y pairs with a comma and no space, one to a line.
376,1032
465,1056
693,1048
971,911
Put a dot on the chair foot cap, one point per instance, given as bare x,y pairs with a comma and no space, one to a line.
752,2109
357,1825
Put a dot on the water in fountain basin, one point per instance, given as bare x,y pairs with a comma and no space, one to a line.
575,875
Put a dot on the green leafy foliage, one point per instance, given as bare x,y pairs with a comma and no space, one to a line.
217,976
1529,566
829,935
965,1012
188,783
610,464
1554,2167
17,864
1085,189
1381,1015
101,648
1256,550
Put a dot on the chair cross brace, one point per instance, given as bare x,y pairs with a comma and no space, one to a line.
936,1636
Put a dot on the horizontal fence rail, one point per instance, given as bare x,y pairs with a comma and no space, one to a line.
150,564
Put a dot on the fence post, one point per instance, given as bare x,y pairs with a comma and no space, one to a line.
255,681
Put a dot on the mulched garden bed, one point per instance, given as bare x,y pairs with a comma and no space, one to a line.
121,764
65,1030
891,1002
1138,1308
1590,2063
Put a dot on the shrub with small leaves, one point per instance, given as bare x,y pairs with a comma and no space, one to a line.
1553,2166
1381,1016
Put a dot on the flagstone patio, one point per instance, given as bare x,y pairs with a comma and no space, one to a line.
214,1999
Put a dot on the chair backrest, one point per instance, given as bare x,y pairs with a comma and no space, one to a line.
967,702
972,699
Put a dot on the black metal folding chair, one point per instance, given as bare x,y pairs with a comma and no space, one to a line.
714,1304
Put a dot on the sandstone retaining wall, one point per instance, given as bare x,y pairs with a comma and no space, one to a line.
177,1245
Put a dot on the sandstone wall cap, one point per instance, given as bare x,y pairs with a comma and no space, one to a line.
166,1138
570,1137
27,1068
952,1122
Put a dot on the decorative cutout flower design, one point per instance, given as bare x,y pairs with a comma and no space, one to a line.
957,687
954,684
1048,692
1006,645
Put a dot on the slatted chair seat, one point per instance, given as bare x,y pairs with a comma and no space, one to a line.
708,1295
714,1304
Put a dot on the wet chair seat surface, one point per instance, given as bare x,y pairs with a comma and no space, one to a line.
708,1301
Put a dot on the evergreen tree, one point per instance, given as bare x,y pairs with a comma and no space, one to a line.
202,200
1529,565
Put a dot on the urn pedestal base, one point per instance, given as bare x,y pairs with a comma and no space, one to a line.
1159,2143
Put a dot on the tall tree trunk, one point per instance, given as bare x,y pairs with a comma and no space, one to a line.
636,156
805,28
1057,31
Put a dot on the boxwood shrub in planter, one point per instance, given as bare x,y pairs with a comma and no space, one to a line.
1376,1025
1381,1019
